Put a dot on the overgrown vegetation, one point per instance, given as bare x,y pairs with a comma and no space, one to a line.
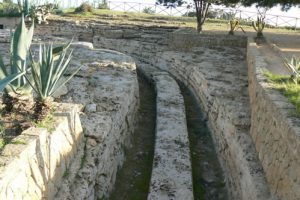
287,87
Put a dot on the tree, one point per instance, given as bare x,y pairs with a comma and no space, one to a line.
285,4
202,6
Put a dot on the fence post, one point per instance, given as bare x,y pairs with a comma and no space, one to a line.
124,7
139,7
276,20
296,24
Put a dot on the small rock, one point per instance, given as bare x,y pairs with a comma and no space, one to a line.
61,91
86,45
90,108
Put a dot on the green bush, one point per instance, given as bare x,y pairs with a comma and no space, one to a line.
84,7
9,10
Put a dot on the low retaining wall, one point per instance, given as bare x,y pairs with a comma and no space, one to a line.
34,167
178,40
274,130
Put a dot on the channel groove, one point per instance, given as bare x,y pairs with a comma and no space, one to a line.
133,178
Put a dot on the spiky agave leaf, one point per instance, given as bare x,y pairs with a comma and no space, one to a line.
3,71
293,66
20,44
47,73
57,50
4,82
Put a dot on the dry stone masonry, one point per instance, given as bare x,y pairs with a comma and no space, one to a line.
33,167
275,130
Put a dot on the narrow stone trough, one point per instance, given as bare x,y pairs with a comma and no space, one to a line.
172,169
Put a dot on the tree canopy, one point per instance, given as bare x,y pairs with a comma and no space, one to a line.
286,4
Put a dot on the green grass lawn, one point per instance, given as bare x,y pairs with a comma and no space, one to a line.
287,87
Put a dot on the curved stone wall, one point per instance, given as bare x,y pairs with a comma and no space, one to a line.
275,131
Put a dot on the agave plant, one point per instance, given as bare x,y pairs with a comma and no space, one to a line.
48,76
293,66
235,25
20,44
260,23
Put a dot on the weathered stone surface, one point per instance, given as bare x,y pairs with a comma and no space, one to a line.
9,22
86,45
180,40
107,86
218,77
33,166
274,129
172,171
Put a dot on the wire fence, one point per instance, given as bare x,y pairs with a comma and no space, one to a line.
224,13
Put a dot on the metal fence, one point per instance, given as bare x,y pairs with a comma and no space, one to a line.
274,20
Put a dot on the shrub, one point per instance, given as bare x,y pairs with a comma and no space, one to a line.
148,10
9,10
84,7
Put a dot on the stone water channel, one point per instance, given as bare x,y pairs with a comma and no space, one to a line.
133,179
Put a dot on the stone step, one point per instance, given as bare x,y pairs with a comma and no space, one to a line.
172,172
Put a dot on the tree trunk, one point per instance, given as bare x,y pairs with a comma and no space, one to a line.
201,12
199,27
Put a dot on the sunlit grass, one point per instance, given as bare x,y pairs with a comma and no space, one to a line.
47,123
181,21
287,87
